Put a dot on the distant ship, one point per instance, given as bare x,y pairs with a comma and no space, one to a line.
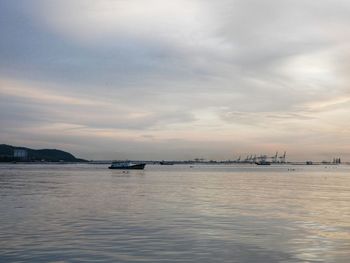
127,166
166,163
263,163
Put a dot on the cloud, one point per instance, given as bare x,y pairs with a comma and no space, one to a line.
48,106
264,118
175,72
17,90
105,19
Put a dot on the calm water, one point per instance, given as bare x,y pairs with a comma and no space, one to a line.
87,213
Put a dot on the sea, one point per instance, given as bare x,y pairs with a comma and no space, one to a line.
175,213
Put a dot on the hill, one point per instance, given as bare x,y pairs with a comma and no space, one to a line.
49,155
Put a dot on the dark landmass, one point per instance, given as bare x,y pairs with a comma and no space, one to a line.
47,155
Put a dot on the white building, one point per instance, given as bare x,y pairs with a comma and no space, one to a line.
20,154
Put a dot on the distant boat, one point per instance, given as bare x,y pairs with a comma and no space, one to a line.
127,166
263,163
166,163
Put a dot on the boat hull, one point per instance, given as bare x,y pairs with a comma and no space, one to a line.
140,166
166,163
263,163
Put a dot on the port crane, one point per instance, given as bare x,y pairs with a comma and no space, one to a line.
283,158
263,158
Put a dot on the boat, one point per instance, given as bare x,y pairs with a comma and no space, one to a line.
127,166
263,163
166,163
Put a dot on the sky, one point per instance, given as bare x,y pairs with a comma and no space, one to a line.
176,80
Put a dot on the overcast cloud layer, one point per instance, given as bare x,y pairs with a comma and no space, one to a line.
181,79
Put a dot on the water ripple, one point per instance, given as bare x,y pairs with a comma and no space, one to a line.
87,213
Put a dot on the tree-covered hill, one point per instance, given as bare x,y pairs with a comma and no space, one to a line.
50,155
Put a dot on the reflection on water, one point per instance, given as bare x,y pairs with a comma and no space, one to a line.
74,213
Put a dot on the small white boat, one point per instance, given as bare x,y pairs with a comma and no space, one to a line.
127,166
